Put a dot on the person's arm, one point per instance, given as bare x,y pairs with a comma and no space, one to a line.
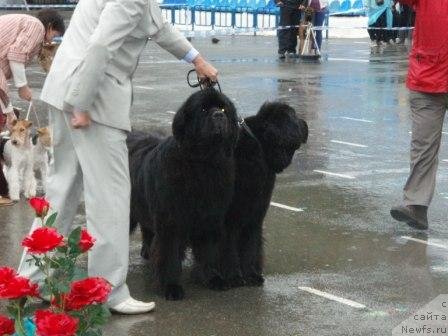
117,20
30,36
19,75
170,39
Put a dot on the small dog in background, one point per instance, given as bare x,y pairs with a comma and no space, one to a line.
46,55
41,154
18,157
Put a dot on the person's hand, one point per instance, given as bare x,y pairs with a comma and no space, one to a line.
80,119
10,117
301,7
279,3
204,69
25,93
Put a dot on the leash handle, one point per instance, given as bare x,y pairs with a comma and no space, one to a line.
29,110
202,83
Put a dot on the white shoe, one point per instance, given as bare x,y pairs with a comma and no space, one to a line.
133,307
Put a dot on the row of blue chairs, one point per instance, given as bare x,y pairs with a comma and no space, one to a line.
337,6
259,6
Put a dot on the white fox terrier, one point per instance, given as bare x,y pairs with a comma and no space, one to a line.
19,163
41,153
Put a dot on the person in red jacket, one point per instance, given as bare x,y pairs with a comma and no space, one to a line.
428,84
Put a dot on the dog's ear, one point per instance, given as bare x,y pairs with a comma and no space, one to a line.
28,123
303,131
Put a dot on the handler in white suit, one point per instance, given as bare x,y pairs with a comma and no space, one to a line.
91,79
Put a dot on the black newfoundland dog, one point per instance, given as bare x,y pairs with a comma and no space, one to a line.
182,187
276,134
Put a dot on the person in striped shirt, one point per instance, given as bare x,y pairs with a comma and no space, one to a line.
21,39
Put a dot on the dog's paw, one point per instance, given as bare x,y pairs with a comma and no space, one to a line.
217,283
174,293
236,281
254,280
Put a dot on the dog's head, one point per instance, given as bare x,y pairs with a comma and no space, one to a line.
207,118
46,55
280,132
20,132
44,137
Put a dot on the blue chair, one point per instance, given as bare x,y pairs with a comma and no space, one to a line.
358,4
253,5
335,6
346,5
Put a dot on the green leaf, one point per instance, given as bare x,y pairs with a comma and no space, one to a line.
62,287
73,241
12,310
50,220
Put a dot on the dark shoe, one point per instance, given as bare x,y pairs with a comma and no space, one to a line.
416,216
281,55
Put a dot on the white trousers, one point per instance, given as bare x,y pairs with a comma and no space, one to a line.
95,158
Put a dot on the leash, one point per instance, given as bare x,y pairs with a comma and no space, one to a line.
32,108
206,83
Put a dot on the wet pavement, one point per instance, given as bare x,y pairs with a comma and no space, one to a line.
345,180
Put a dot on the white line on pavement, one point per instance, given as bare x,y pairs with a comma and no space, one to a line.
445,160
171,112
357,60
144,87
356,119
349,143
287,207
39,72
333,297
334,174
446,133
425,242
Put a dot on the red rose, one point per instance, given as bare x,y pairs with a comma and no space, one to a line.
87,292
40,206
13,286
86,242
6,326
43,240
51,324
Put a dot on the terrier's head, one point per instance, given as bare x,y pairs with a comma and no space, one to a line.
20,132
44,136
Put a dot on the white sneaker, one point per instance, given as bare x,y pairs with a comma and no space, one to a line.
131,306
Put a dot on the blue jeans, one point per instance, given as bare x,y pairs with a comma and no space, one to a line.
318,21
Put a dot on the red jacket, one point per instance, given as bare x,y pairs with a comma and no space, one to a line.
428,62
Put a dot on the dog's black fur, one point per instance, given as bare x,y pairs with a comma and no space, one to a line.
182,187
279,133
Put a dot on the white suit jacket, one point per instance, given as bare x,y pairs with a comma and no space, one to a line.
94,65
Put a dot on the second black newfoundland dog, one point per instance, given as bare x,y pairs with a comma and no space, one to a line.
276,134
182,187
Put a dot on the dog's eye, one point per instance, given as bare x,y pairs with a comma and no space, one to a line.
22,130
